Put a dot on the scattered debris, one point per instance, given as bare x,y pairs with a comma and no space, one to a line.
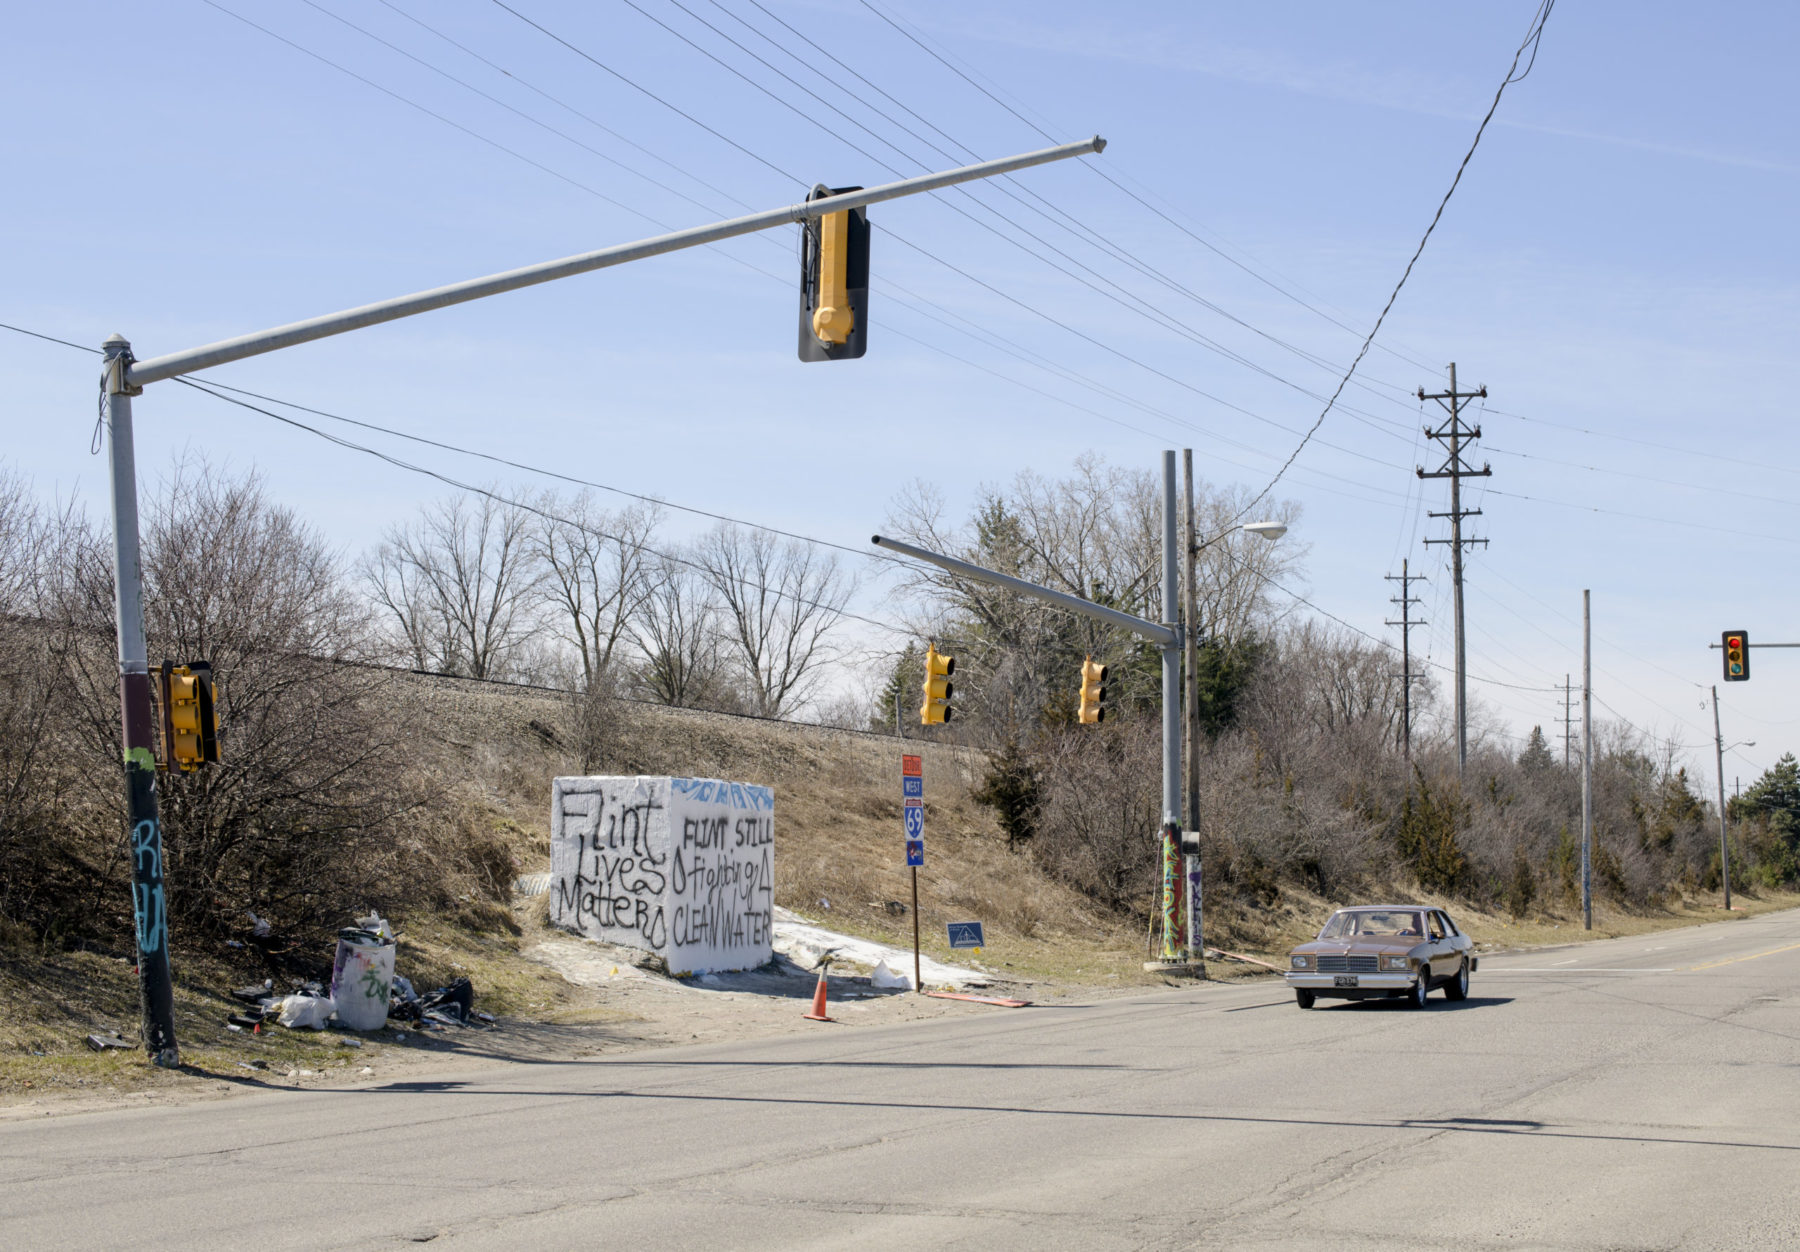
365,1071
259,927
106,1042
884,979
305,1012
254,995
1219,954
999,1000
349,1043
895,908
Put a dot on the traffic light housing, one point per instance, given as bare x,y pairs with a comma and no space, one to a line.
1093,692
1737,655
834,282
190,730
936,710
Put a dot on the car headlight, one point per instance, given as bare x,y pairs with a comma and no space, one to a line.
1397,964
1300,962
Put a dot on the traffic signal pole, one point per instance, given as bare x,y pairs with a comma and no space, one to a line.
1167,636
149,903
1724,847
125,377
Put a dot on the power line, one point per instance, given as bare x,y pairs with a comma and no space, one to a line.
524,505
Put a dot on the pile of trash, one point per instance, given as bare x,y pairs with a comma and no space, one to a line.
365,992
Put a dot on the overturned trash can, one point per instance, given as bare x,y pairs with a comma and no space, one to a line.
362,976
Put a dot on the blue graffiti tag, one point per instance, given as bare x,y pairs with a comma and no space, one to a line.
144,843
152,918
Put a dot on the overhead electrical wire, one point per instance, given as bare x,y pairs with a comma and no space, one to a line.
1107,176
525,505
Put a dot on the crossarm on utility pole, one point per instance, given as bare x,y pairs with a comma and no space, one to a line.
1158,634
155,369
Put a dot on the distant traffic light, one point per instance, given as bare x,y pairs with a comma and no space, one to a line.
834,282
1093,692
1737,655
936,710
190,731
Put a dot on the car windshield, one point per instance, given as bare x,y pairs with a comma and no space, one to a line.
1351,923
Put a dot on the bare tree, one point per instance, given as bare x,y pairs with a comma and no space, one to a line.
677,632
597,574
780,602
461,583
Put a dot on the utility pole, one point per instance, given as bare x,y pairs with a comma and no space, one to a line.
1568,706
1406,600
1171,720
125,377
1190,645
1454,434
1724,848
1587,766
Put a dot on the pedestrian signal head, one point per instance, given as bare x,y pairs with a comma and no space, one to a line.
936,710
1737,655
1093,692
834,282
190,730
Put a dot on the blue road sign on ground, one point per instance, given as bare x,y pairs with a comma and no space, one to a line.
912,787
915,852
915,823
966,935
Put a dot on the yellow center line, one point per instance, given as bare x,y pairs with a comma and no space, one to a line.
1734,960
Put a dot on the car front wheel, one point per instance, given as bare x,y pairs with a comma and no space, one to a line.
1303,997
1415,999
1458,987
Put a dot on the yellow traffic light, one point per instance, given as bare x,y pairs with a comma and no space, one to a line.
190,734
936,710
1093,692
833,318
834,282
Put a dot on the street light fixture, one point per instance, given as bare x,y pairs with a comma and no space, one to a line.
1268,530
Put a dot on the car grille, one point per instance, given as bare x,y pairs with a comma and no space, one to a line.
1344,964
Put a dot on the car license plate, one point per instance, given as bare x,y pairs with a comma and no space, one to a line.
1344,980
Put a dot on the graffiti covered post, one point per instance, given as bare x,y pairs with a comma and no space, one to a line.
149,902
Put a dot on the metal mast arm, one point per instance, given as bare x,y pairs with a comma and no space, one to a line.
1162,636
158,368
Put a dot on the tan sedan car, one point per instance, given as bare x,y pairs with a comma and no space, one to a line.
1387,951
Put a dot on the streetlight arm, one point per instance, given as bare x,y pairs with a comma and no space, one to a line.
1156,633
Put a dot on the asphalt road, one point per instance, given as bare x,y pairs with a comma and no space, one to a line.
1633,1093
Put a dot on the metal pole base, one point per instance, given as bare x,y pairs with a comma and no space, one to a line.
1189,969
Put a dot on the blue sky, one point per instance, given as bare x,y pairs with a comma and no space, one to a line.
1618,260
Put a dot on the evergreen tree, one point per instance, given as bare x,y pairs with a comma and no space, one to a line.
1535,756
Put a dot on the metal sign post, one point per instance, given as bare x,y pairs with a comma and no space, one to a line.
912,810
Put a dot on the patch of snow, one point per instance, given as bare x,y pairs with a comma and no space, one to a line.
806,944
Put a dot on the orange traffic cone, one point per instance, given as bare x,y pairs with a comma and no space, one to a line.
818,1007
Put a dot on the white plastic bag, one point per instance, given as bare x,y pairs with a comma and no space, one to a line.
886,979
306,1012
